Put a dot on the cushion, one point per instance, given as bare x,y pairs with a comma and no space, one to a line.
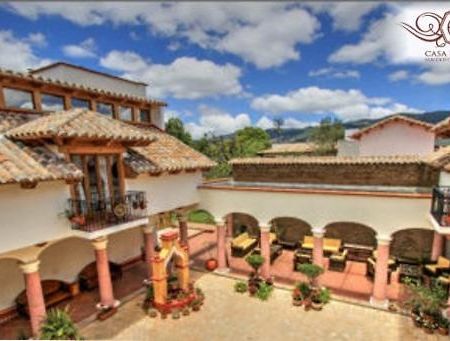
431,267
444,280
443,262
272,237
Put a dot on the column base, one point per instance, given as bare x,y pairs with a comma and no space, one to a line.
222,271
102,307
382,304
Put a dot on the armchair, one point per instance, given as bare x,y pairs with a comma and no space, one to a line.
442,265
242,245
338,261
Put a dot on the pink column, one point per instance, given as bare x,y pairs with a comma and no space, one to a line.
230,225
149,246
438,246
104,276
379,295
183,226
318,247
35,296
221,247
265,251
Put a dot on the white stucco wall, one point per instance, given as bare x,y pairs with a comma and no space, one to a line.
78,76
12,282
30,216
167,192
444,179
384,214
397,138
347,148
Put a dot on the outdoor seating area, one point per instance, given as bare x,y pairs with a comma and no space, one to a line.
242,245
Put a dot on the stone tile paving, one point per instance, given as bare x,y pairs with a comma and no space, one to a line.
230,316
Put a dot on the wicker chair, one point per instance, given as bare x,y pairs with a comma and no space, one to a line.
436,269
338,261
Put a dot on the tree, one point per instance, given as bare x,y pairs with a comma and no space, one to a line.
175,127
278,124
249,141
326,135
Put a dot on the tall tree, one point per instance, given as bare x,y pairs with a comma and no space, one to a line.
175,127
326,134
278,123
249,141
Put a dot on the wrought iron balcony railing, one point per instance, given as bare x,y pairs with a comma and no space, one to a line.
440,205
94,215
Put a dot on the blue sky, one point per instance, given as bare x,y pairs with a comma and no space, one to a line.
222,66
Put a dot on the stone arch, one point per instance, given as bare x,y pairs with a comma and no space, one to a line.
11,277
244,222
64,259
351,233
290,230
413,244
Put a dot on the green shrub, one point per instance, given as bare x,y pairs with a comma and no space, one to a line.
149,294
305,289
324,295
255,261
312,271
264,291
59,326
240,287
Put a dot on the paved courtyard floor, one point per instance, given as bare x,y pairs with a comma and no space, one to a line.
227,315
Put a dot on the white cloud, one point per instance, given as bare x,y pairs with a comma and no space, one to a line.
37,39
18,52
347,16
265,123
218,122
185,77
334,73
85,49
346,104
387,41
398,75
265,34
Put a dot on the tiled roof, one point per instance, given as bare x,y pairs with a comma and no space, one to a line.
289,148
45,80
442,127
395,118
9,120
167,154
80,123
30,162
328,160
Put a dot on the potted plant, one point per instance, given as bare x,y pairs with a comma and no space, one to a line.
176,314
200,295
255,261
59,326
152,312
443,325
311,271
149,297
240,287
264,291
319,298
297,299
196,304
211,264
185,311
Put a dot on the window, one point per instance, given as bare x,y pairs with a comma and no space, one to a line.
144,116
105,109
52,102
80,103
125,113
15,98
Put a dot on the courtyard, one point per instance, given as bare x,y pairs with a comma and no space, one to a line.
227,315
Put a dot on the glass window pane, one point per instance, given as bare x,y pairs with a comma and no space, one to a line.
105,108
125,113
80,103
145,116
52,102
18,98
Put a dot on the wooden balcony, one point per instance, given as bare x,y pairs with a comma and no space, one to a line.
440,205
98,214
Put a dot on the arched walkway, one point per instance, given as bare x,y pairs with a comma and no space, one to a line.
242,222
412,244
290,231
351,233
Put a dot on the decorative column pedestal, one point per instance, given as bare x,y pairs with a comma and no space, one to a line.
104,277
318,246
379,294
149,246
34,294
265,251
221,248
438,246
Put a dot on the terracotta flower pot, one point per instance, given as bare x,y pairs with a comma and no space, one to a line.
211,264
79,220
316,305
428,330
443,331
252,289
297,303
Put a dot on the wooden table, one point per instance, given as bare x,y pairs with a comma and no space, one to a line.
358,253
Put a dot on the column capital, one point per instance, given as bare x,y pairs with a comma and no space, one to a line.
100,243
30,267
182,216
220,222
265,228
148,229
383,240
318,232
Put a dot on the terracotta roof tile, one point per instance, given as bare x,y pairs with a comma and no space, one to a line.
168,154
395,118
442,127
328,160
9,120
80,123
29,162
